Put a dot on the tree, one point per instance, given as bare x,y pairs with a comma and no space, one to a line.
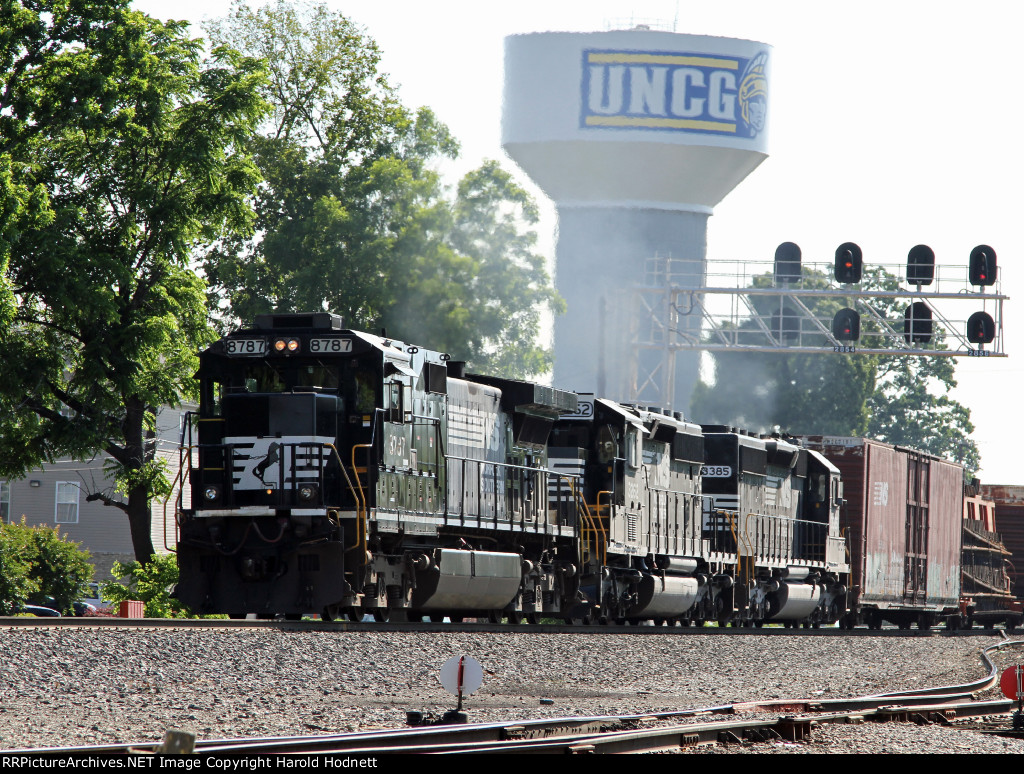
910,408
895,399
353,218
122,150
57,569
15,585
149,583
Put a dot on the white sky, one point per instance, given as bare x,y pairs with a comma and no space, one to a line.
891,124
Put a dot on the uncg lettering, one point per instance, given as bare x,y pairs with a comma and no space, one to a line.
659,91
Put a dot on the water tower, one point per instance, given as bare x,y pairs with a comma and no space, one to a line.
635,135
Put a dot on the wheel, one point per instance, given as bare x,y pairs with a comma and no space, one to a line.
515,617
494,616
437,617
293,616
456,618
380,614
354,614
533,618
236,616
759,623
330,613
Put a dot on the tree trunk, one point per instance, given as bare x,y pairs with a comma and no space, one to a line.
140,517
140,520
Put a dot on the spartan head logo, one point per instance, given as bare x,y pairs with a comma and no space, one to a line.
753,94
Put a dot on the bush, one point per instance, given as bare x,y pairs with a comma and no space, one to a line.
150,583
55,570
15,586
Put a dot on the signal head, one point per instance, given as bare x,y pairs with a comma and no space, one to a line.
981,328
787,262
920,265
846,325
982,269
849,263
917,325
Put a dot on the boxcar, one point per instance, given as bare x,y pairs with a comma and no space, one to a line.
902,519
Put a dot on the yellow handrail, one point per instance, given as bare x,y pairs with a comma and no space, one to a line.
361,510
587,515
600,524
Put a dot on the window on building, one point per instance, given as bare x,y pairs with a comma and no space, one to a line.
5,501
67,502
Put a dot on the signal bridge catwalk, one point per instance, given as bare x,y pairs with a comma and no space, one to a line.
788,306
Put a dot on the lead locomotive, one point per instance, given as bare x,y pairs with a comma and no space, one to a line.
337,472
342,473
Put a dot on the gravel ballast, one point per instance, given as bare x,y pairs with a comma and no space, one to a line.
87,686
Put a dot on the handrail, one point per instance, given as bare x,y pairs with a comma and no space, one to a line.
589,520
600,525
361,510
177,479
351,487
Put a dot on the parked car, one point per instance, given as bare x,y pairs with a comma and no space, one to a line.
39,610
82,607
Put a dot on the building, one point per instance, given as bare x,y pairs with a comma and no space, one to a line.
55,496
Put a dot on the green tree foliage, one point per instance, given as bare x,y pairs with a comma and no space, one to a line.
150,583
15,585
57,569
353,217
910,407
900,400
121,150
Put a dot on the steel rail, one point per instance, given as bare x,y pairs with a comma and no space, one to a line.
612,627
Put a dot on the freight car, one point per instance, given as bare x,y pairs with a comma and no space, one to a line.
986,596
342,473
902,521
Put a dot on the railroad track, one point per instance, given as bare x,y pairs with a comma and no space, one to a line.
487,628
789,720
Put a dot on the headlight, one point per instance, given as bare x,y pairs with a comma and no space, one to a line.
286,345
307,493
211,493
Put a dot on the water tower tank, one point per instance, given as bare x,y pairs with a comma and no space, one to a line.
635,135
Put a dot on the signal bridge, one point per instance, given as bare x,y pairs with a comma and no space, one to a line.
839,307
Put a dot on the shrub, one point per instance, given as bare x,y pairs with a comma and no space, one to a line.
150,583
15,585
56,570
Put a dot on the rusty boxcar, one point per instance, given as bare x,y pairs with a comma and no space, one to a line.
902,520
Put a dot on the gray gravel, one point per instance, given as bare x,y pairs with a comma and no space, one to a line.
87,686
